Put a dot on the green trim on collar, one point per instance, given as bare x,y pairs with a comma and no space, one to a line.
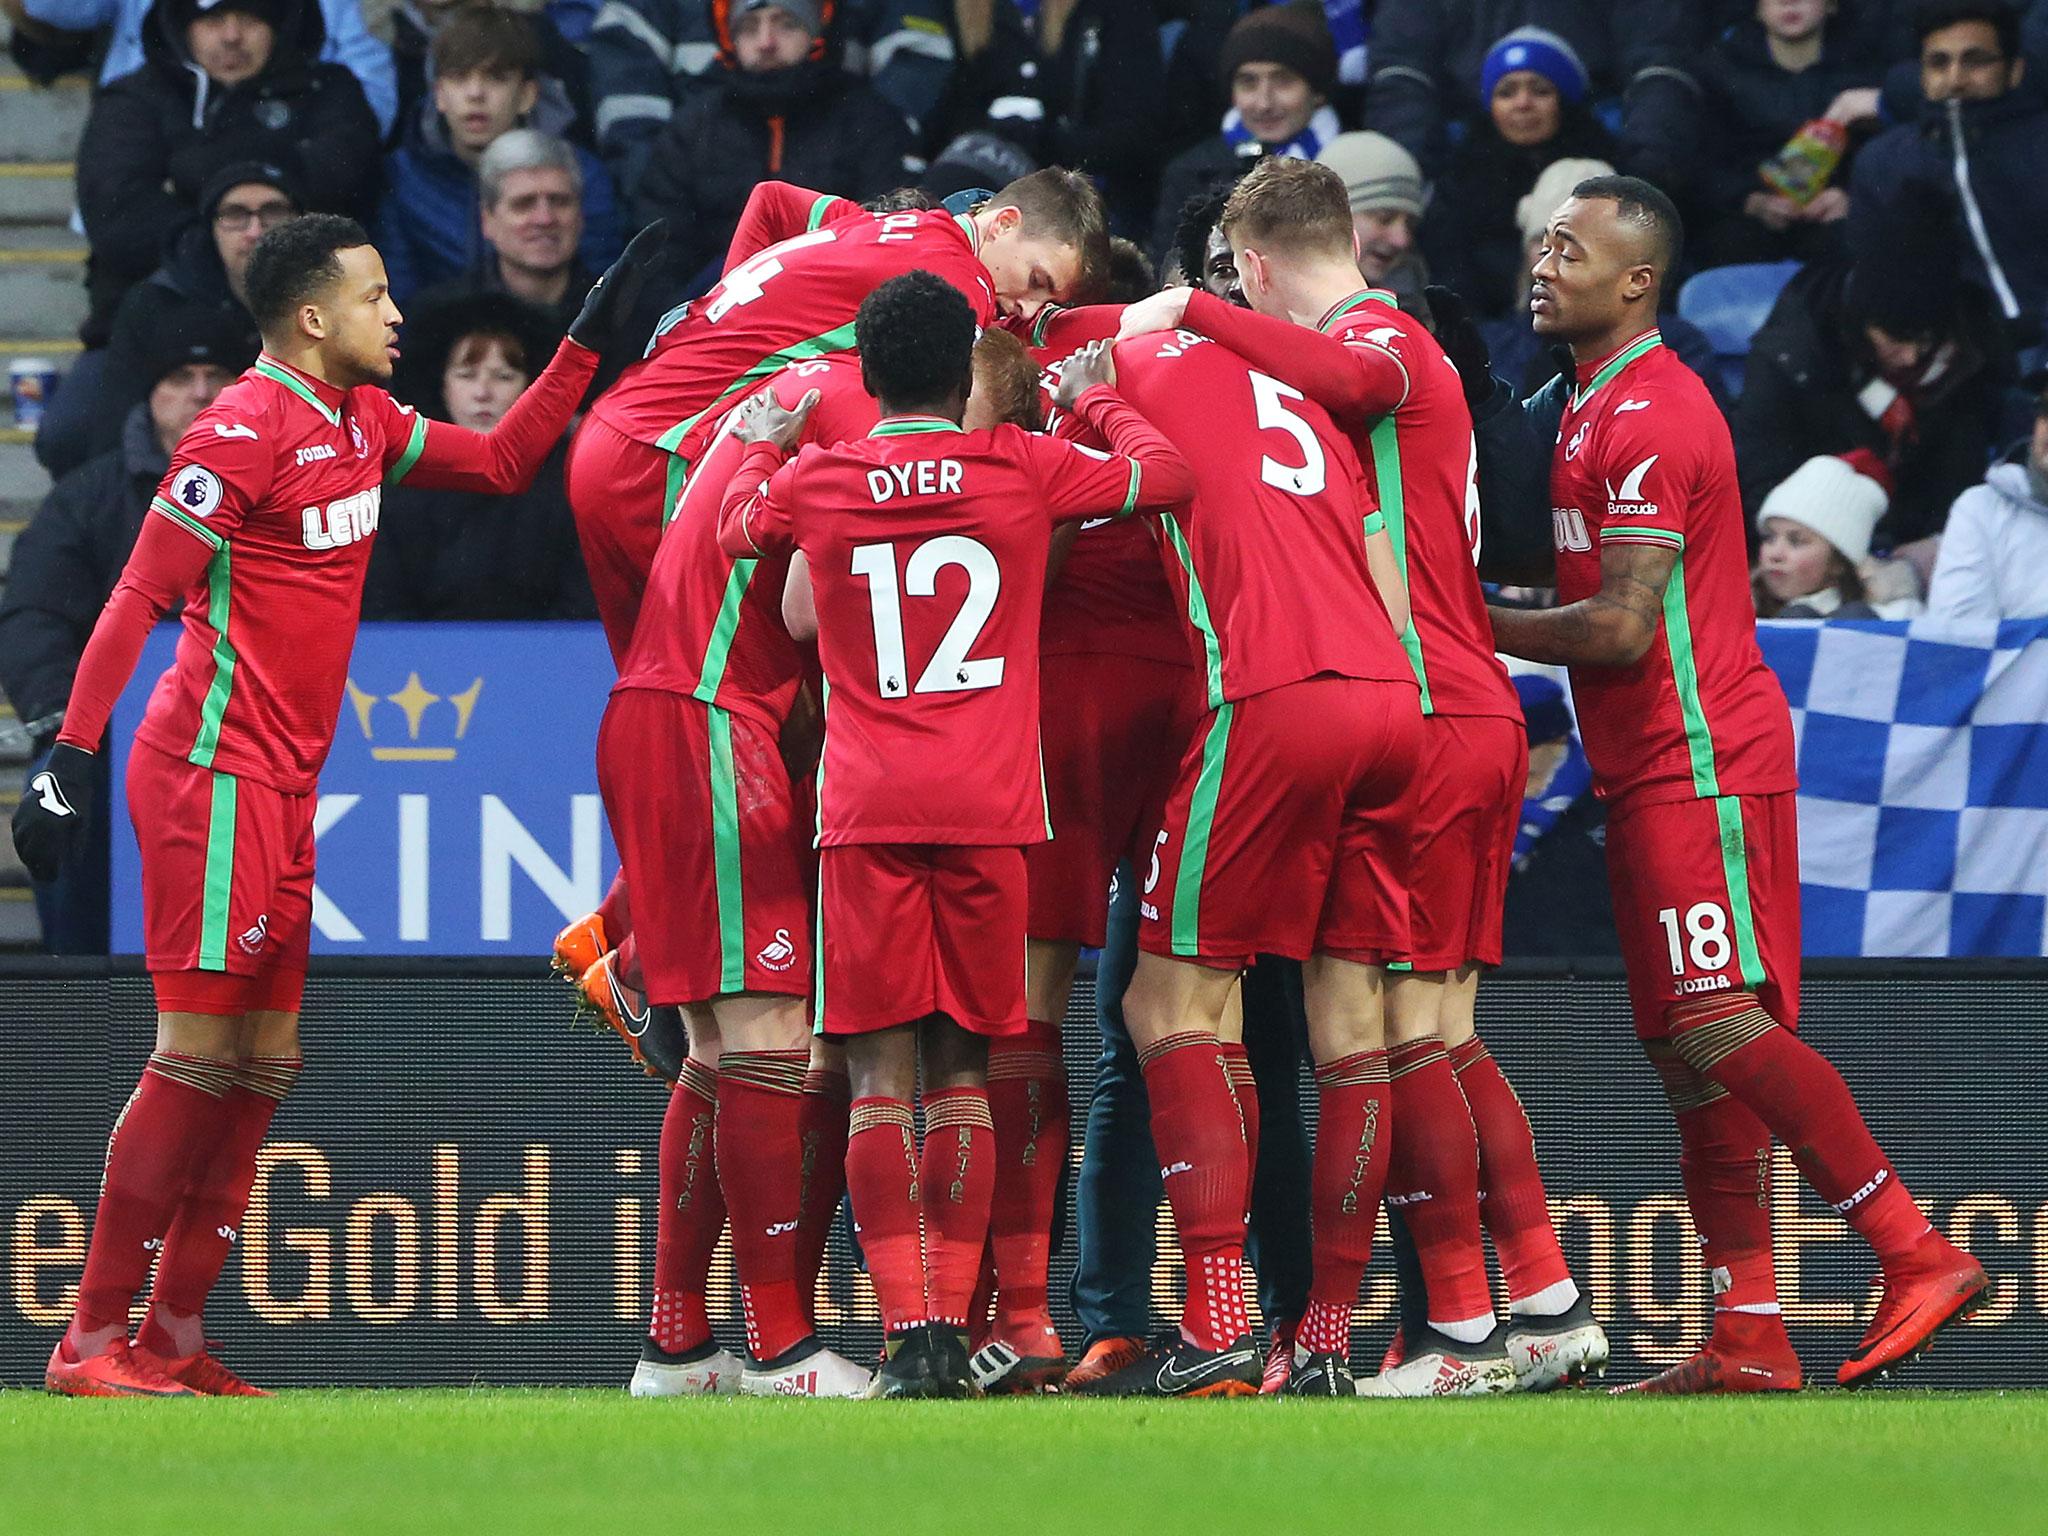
1344,306
277,373
1628,354
906,426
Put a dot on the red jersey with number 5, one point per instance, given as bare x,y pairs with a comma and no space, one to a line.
1643,457
927,547
1268,560
793,301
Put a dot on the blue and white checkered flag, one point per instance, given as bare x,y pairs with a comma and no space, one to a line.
1923,784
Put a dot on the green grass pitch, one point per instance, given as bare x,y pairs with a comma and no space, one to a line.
568,1462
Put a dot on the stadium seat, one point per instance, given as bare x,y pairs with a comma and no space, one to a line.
1729,304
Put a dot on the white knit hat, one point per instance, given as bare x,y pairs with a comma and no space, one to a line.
1532,213
1834,498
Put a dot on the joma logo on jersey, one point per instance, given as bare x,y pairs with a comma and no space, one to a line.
1568,529
345,521
315,452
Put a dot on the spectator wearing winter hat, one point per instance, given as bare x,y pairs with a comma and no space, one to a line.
1533,87
1388,199
222,81
1519,355
487,82
1078,84
1815,527
202,274
1993,563
781,110
1278,67
67,560
1892,354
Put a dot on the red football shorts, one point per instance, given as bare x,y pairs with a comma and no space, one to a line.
1463,808
1283,834
1111,730
620,493
227,886
906,931
701,808
1706,900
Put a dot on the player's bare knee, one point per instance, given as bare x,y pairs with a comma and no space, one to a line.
883,1065
1048,977
951,1057
218,1037
701,1026
761,1021
1414,1007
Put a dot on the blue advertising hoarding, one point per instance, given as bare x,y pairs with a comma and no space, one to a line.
458,812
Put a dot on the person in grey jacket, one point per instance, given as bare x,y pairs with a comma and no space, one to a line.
1994,553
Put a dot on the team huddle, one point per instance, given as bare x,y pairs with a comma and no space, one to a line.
946,569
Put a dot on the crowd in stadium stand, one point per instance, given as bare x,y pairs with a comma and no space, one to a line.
1865,284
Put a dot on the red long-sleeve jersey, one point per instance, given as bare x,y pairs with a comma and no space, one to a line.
262,524
927,547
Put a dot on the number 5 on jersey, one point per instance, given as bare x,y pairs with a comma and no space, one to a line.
951,669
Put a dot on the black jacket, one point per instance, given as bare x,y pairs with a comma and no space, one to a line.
1756,107
469,555
2004,147
191,283
812,124
1426,58
66,562
155,136
1214,162
1799,398
1472,237
1100,95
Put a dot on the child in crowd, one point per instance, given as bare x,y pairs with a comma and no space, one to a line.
1815,557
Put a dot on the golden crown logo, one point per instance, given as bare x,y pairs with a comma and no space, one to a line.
413,700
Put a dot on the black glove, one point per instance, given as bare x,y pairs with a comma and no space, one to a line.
51,817
1455,330
612,297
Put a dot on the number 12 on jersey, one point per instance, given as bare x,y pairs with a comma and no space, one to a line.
950,670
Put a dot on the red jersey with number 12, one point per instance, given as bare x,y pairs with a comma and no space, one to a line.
927,547
1643,457
793,301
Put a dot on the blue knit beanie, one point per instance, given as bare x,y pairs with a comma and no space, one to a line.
1539,50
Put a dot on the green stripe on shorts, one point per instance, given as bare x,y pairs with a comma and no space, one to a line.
219,883
1194,855
725,855
1735,870
673,478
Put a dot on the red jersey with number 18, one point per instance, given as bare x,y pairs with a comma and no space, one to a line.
1643,457
928,546
792,301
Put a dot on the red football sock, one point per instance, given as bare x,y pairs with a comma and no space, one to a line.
1027,1100
1512,1204
1346,1180
210,1214
760,1170
1433,1178
171,1119
615,913
1724,1161
1237,1068
822,1131
1200,1142
1804,1101
957,1177
882,1180
692,1211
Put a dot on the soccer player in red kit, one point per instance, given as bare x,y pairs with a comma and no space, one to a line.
712,842
927,549
1691,747
1383,377
262,526
1280,838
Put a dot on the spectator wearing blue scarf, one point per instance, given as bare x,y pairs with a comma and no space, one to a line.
1279,65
